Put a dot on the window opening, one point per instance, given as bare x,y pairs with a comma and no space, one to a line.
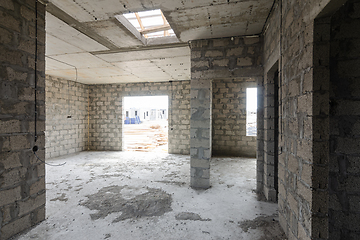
251,109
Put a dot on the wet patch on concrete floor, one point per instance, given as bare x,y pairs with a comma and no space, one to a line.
132,202
172,175
268,225
62,198
190,216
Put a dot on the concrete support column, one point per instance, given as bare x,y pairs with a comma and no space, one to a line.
200,133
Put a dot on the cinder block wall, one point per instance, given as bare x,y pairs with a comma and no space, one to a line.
268,135
232,64
229,118
344,177
105,117
22,176
265,169
213,61
303,144
106,113
66,116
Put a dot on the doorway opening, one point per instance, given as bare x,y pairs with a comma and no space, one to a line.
145,123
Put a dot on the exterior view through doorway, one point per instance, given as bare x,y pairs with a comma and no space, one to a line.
145,123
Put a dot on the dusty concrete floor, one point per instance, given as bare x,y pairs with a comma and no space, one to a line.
134,195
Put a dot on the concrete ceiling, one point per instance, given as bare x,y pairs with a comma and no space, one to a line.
87,43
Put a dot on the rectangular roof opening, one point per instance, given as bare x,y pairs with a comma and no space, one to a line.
151,24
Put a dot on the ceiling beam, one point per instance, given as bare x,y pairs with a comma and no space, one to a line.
142,48
60,14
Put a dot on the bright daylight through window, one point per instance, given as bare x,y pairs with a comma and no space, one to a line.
251,108
145,125
151,24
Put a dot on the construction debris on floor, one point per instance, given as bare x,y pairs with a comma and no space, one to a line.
141,196
146,136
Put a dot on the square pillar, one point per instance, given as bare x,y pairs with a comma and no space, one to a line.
200,133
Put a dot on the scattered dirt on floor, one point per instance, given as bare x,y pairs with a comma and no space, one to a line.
268,225
190,216
130,201
180,184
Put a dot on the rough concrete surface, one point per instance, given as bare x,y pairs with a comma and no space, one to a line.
131,202
86,33
269,225
135,195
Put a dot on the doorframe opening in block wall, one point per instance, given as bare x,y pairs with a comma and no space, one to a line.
269,125
145,123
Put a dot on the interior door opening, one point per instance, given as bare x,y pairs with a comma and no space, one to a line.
145,123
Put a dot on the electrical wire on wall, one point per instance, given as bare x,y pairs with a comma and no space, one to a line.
171,105
280,76
88,119
266,25
36,148
264,30
68,100
68,85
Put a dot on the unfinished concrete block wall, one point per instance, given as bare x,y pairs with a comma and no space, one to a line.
229,118
106,115
179,117
260,139
269,133
212,61
266,147
66,116
297,207
302,168
22,176
344,182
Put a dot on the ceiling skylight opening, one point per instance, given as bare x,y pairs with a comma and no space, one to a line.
150,24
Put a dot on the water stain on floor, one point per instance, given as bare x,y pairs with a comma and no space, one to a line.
130,201
268,225
190,216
